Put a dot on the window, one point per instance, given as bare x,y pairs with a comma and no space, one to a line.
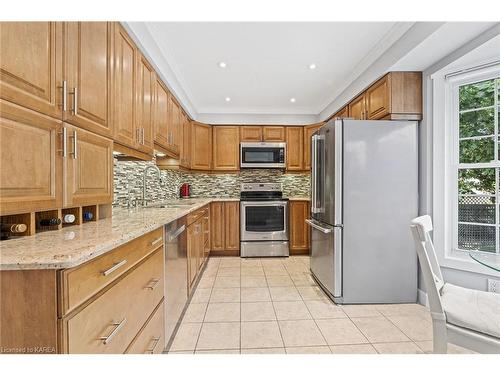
477,164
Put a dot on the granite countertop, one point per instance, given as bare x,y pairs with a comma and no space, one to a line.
74,245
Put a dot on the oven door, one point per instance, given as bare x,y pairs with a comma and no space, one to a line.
264,221
262,155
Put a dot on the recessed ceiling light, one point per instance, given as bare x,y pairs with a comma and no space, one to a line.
292,100
160,154
312,66
222,64
228,99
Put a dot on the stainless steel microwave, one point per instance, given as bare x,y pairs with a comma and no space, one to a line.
263,154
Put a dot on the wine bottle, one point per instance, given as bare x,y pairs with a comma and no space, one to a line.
69,218
14,228
49,222
87,216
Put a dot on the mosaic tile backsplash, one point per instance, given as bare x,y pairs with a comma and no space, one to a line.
128,181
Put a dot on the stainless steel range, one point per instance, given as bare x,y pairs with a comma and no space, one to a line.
264,220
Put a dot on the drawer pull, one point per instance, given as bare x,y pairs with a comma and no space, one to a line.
157,241
114,268
107,339
152,284
156,340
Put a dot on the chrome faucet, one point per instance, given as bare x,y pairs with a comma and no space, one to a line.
145,173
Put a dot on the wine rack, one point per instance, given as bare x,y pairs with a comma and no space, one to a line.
32,219
27,219
72,211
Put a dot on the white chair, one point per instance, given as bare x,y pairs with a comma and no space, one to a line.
465,317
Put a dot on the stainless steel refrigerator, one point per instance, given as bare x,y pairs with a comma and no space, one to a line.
364,192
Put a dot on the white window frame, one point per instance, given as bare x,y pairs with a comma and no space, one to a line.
445,103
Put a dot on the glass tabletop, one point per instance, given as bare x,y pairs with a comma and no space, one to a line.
490,260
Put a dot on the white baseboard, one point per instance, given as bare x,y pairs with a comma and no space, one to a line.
422,298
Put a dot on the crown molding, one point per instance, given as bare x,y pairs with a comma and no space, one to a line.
256,119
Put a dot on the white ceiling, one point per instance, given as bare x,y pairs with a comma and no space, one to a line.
267,63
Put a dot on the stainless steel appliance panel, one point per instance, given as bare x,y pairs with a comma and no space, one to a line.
263,155
264,220
380,198
176,276
326,256
264,249
326,205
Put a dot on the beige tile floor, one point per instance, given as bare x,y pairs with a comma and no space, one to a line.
274,306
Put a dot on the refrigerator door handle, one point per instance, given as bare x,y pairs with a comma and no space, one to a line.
319,227
314,177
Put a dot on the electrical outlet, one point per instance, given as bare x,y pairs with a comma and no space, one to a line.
493,286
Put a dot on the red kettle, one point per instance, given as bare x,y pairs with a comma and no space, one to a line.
185,190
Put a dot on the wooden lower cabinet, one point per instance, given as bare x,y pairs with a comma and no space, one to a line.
225,227
151,338
121,316
197,234
299,230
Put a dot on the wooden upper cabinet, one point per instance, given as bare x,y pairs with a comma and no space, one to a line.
251,134
226,148
30,159
396,96
185,152
176,119
357,108
88,53
232,225
201,146
378,99
299,230
161,114
295,148
146,81
273,134
125,75
343,113
30,65
88,168
308,132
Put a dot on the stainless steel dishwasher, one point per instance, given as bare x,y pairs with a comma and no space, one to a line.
176,276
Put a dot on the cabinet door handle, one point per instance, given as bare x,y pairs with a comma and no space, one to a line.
156,340
143,136
114,267
107,339
157,241
75,145
64,94
137,135
75,101
152,284
64,135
